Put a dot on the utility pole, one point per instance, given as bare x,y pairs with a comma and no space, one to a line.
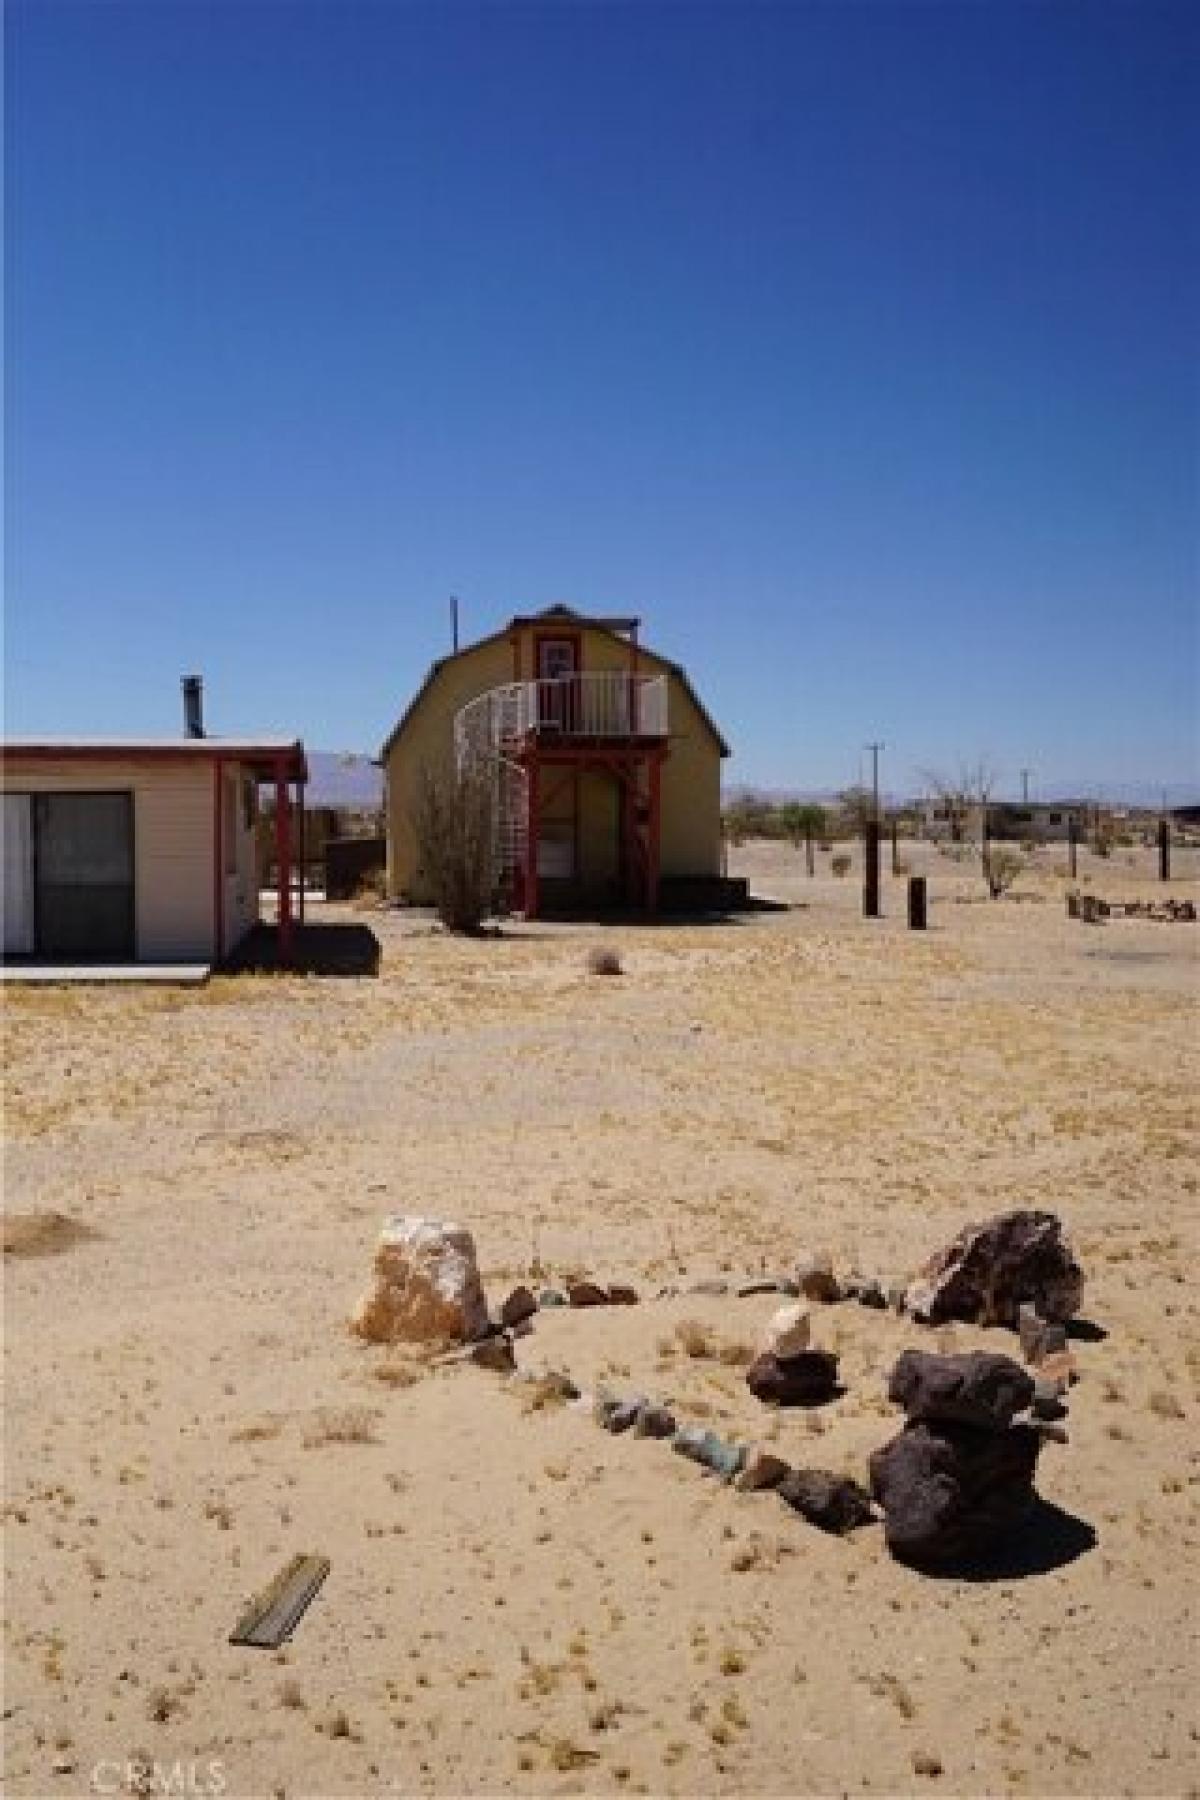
871,842
1025,774
875,749
454,622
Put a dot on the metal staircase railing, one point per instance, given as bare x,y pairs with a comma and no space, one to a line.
491,728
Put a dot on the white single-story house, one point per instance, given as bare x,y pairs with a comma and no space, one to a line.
141,850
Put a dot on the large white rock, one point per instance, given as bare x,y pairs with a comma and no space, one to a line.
787,1332
427,1286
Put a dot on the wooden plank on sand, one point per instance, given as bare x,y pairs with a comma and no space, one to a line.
273,1615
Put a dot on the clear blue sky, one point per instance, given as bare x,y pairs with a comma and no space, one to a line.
852,346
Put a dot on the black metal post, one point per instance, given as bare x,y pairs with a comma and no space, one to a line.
917,902
1072,845
895,847
871,869
1164,849
808,853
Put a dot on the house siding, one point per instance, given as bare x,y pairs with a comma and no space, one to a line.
691,775
172,847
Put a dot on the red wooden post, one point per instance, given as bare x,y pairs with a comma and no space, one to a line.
531,843
218,861
654,831
283,858
302,835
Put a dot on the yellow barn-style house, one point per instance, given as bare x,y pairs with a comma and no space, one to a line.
605,765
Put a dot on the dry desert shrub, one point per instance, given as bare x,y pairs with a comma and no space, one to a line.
840,864
603,962
454,822
704,1344
397,1375
42,1233
342,1425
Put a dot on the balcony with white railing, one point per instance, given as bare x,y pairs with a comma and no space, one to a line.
606,705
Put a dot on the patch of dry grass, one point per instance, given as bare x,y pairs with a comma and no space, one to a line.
342,1425
42,1233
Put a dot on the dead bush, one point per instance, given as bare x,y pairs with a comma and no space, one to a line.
454,821
840,864
603,962
1000,870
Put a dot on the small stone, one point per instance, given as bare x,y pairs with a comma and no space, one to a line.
1046,1403
551,1297
1058,1367
788,1332
654,1422
494,1353
625,1416
519,1306
817,1280
669,1292
871,1294
806,1379
1039,1337
586,1293
924,1764
831,1502
897,1296
603,1407
620,1295
706,1448
762,1469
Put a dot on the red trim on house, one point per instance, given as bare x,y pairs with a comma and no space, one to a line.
218,769
654,834
260,759
283,858
530,895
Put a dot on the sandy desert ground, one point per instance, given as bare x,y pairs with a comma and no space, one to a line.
519,1603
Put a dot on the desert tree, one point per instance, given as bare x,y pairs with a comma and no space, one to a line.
454,822
963,795
1001,867
802,822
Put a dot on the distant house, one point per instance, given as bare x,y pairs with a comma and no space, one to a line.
140,850
605,764
1038,822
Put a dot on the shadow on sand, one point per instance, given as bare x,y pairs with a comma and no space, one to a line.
1050,1538
336,950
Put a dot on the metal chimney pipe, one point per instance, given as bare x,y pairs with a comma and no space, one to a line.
193,706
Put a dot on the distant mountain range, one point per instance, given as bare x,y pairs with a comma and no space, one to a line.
351,778
1139,794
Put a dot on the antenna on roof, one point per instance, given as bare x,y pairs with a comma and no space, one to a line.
454,621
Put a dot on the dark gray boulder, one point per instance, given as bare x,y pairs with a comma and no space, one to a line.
950,1492
991,1268
831,1502
806,1379
979,1388
520,1305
